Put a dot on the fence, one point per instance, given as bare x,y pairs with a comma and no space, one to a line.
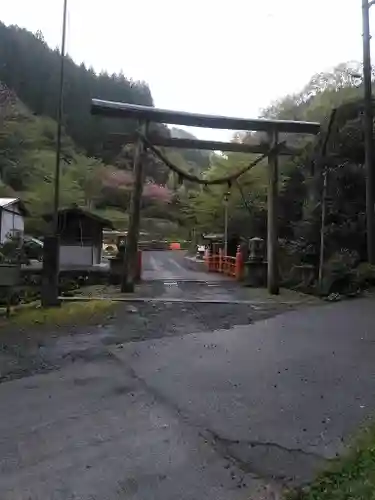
225,264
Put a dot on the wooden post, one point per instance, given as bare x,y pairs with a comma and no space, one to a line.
368,133
139,266
221,260
50,272
322,229
131,251
322,163
225,226
239,264
272,223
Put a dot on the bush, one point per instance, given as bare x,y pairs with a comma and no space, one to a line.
30,286
13,252
68,285
365,275
295,266
339,274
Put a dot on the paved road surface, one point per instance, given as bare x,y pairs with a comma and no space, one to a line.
184,401
172,265
156,265
278,395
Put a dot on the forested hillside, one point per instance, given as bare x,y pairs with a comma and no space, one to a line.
27,167
100,178
93,174
300,183
31,69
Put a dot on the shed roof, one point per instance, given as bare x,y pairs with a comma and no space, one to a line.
78,211
6,202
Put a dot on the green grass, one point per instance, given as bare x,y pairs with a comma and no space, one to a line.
69,314
351,477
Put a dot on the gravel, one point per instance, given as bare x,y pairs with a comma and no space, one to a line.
24,353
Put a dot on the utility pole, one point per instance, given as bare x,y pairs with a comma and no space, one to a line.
226,198
323,163
322,227
131,250
368,132
50,272
59,124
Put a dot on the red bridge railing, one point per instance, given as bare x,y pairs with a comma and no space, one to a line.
225,264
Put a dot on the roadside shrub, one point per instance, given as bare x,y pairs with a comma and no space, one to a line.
296,267
339,274
29,288
68,285
12,251
365,275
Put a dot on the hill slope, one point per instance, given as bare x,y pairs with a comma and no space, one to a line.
196,157
30,68
93,175
27,170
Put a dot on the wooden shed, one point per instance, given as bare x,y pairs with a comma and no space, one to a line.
81,236
12,215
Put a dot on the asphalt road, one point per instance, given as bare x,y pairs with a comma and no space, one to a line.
176,400
172,265
279,396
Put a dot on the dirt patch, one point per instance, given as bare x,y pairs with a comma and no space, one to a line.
29,338
42,340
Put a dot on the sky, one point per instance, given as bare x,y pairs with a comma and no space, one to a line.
227,57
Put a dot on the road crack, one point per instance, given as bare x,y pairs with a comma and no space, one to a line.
267,444
268,460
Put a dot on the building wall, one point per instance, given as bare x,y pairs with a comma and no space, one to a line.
80,239
75,255
11,221
97,254
78,229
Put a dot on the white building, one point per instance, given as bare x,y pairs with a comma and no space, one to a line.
12,213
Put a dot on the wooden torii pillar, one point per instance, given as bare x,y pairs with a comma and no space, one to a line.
272,218
131,253
148,114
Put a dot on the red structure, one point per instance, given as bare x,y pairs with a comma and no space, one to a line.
225,264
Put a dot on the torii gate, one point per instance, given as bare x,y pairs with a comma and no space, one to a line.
144,140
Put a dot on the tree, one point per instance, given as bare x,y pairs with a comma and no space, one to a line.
30,68
301,187
157,193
